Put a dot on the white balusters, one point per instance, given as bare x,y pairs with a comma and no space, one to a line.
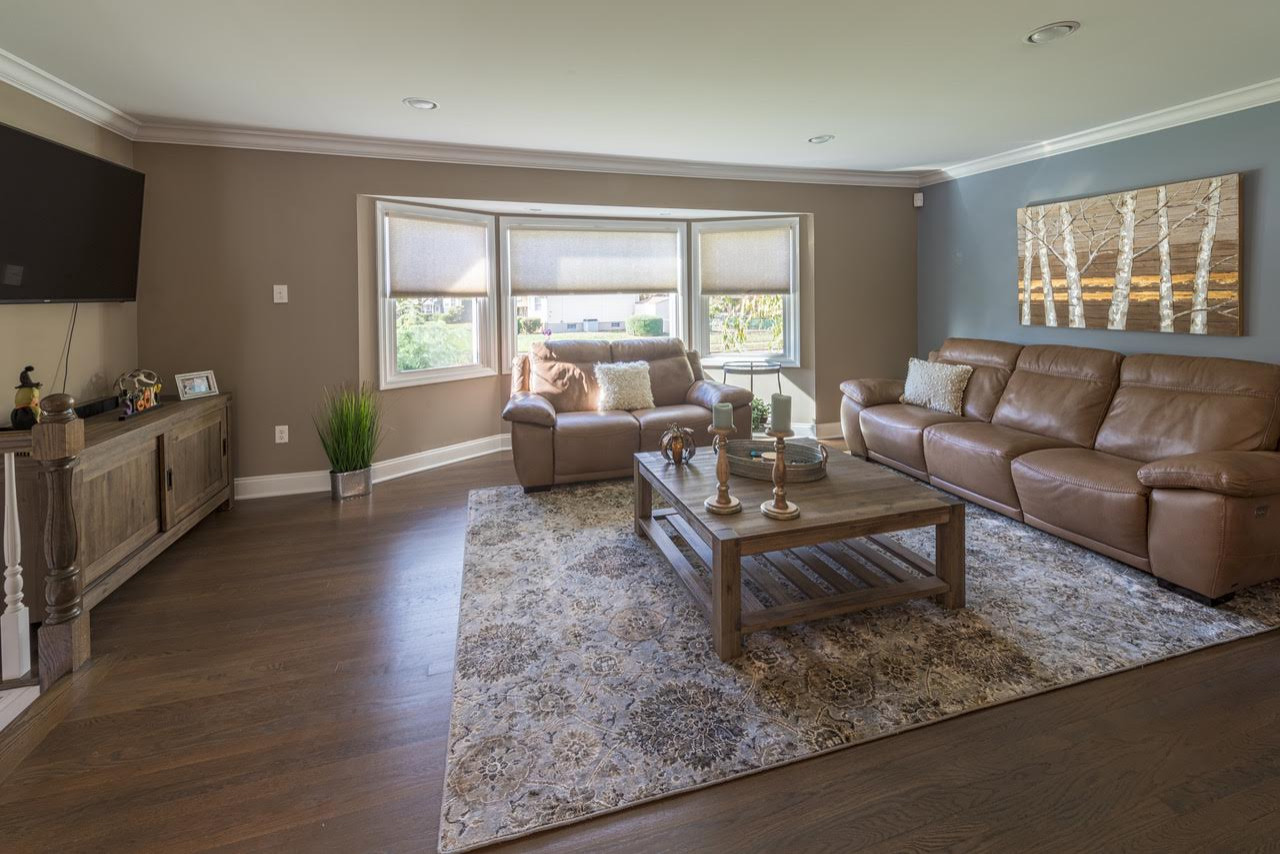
15,624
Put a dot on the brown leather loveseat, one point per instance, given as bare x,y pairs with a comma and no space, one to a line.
557,436
1167,463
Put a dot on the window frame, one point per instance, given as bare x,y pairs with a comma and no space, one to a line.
701,321
678,227
389,375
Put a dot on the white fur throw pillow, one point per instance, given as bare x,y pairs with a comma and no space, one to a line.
624,385
936,385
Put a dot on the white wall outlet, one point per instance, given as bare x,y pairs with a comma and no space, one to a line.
918,200
282,433
280,293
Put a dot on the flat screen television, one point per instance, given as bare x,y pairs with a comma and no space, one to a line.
70,223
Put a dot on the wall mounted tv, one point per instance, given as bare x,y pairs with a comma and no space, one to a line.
69,223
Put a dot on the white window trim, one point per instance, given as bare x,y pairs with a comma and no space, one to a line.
389,376
701,323
506,223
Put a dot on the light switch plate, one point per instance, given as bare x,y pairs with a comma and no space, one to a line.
282,433
280,293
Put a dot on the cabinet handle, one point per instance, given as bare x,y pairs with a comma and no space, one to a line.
168,476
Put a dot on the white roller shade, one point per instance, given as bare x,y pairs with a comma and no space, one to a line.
754,260
557,260
429,256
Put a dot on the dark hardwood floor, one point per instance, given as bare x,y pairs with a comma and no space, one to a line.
279,681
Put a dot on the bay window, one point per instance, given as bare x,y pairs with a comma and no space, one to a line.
591,278
437,294
746,289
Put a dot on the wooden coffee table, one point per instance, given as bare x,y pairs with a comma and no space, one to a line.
829,561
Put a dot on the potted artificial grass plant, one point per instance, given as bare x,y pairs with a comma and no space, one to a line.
350,428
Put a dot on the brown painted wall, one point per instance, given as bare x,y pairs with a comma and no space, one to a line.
222,225
106,340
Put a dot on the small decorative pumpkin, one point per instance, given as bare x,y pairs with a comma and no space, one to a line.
677,444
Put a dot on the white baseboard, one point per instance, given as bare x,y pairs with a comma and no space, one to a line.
296,483
828,430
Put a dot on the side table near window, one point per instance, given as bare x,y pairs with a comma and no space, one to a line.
752,369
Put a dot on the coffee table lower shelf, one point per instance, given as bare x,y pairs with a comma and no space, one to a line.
797,584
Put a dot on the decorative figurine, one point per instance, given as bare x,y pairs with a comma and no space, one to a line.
138,390
26,403
677,444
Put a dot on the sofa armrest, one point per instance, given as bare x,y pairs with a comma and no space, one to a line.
1241,473
872,392
707,393
529,408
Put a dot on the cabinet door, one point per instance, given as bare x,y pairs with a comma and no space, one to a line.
118,506
195,457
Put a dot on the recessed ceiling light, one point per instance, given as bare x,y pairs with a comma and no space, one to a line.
664,213
821,138
1052,32
535,210
421,103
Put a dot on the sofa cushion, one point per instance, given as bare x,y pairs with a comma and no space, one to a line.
1169,406
992,362
670,373
976,457
936,385
564,372
896,431
1062,392
591,442
623,385
1094,495
654,422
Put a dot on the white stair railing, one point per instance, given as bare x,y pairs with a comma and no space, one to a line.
15,623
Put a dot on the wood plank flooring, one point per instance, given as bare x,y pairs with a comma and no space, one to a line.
279,681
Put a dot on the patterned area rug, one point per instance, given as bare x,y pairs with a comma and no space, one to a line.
586,681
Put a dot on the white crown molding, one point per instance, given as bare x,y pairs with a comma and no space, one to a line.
23,75
1257,95
19,73
300,482
483,155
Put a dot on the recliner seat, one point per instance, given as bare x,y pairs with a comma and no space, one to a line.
557,436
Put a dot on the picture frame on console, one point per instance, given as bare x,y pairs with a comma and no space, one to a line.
195,384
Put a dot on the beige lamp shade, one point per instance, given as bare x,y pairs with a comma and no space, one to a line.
592,261
745,261
437,257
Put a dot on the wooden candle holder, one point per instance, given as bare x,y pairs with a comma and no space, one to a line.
780,507
722,503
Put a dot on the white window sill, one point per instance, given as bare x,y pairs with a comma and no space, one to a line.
439,375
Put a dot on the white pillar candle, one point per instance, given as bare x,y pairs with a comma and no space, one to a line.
722,416
780,413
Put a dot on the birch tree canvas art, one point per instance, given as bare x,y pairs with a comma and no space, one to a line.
1160,259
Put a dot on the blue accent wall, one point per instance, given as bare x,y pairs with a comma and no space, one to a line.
967,235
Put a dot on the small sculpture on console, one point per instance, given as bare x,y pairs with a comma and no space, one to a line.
138,390
26,403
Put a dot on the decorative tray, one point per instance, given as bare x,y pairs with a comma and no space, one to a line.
805,462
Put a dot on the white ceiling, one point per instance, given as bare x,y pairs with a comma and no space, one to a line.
912,84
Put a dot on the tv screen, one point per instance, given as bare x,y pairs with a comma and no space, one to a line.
70,223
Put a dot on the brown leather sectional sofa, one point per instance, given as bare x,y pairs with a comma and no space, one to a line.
1167,463
557,436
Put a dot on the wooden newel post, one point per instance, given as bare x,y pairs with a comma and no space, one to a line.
56,443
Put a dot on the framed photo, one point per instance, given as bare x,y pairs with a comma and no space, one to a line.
198,384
